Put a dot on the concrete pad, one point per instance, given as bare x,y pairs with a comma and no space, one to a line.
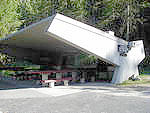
98,88
21,93
57,91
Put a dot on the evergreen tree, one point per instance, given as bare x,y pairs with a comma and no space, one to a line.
9,17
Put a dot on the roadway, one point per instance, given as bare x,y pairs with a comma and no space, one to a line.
78,98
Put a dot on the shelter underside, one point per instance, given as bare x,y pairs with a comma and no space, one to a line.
57,39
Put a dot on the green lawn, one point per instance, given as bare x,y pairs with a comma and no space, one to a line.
145,80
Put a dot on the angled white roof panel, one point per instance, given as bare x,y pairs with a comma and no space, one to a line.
63,34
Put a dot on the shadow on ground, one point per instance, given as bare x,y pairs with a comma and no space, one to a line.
14,84
106,88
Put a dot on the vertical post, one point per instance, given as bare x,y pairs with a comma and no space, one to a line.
128,22
77,60
82,79
74,75
44,77
58,76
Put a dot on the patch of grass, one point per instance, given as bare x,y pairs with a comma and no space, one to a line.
145,79
144,75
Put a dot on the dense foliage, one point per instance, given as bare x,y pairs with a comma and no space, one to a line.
9,17
120,16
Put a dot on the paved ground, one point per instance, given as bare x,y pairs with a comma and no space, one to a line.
79,98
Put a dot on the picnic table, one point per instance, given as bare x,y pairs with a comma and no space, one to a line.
51,82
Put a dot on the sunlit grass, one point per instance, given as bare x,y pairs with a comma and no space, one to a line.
145,79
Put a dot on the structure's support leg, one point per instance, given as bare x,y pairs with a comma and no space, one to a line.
123,72
129,64
60,62
93,79
74,75
58,76
77,60
44,77
82,79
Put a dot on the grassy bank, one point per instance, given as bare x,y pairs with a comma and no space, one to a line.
145,80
